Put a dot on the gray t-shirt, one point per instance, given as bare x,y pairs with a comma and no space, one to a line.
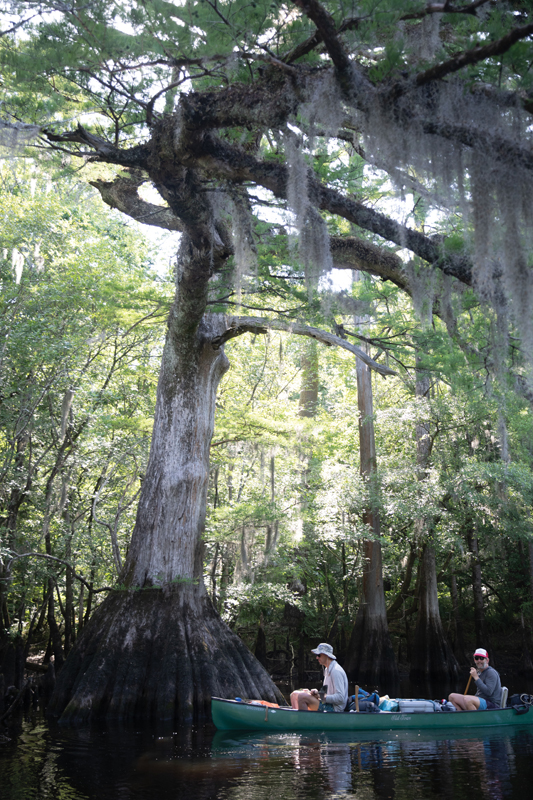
489,686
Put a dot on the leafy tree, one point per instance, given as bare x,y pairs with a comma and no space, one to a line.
79,308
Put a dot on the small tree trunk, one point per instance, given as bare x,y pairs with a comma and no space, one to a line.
213,575
69,600
530,553
432,656
260,648
55,633
90,595
307,408
80,608
403,594
459,644
370,653
526,668
8,522
479,610
309,387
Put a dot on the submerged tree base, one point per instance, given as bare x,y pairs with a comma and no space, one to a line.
433,659
156,654
371,662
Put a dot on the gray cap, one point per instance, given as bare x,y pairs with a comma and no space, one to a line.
326,649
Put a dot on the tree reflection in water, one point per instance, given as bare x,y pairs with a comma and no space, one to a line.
111,763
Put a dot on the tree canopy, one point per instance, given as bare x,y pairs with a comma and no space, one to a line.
233,108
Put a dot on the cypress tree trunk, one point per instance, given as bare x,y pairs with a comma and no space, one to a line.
477,590
371,657
530,561
309,387
8,521
459,645
156,647
432,657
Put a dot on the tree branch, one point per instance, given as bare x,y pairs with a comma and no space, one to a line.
352,23
473,56
227,161
135,157
484,141
60,561
17,25
446,8
350,252
306,47
122,194
239,325
351,80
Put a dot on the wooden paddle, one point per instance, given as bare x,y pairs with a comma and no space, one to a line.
356,697
467,685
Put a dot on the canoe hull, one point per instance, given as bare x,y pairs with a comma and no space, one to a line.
230,715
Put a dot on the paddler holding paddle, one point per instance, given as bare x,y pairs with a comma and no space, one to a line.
488,686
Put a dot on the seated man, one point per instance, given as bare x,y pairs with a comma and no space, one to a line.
489,688
334,679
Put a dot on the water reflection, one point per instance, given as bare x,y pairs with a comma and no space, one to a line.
407,766
114,763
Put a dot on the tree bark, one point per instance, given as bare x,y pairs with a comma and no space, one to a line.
530,554
459,644
156,647
371,657
309,386
477,590
432,657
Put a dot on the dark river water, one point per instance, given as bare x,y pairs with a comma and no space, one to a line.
43,760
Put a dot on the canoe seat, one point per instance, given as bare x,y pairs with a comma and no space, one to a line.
505,692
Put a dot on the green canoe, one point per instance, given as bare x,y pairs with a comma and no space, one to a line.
232,715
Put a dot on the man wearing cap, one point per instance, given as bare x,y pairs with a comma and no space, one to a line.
334,679
489,688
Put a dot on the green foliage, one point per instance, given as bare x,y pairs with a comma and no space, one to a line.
80,322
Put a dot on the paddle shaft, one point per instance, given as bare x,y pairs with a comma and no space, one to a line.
468,685
356,697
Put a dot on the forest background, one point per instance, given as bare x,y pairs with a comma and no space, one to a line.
85,298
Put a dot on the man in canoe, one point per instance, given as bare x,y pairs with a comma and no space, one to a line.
489,688
334,679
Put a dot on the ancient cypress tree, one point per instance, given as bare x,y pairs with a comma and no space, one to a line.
201,99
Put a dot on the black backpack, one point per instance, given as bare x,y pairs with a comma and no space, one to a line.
520,700
364,705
